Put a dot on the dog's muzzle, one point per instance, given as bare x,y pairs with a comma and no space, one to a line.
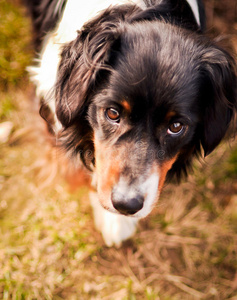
127,205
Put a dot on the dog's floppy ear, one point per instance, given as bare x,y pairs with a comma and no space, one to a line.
219,96
82,60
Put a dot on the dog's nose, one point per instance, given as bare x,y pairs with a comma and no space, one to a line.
128,206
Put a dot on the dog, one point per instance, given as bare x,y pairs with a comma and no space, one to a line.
133,90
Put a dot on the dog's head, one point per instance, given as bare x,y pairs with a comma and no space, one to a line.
141,98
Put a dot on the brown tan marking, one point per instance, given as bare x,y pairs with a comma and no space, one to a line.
108,169
78,178
170,115
164,168
126,106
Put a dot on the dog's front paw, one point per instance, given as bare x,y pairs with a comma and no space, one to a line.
115,228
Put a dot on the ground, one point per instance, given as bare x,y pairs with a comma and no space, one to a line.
49,248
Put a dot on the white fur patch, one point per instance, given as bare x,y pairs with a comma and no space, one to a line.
194,6
146,187
115,228
149,188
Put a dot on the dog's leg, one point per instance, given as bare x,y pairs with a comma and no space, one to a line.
115,228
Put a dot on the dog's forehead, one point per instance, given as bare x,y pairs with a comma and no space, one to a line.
154,82
160,100
157,74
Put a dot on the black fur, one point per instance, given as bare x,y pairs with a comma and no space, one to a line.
160,62
45,15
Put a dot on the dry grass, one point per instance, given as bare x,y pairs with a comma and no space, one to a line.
49,249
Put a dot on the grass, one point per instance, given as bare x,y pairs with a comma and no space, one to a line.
14,41
49,249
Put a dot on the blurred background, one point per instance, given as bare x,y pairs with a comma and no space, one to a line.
49,248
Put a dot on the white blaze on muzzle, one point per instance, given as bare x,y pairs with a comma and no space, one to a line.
138,198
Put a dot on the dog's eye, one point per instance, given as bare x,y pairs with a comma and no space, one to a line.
112,115
175,128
